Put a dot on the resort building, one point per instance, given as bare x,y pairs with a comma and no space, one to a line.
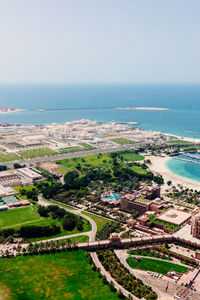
17,177
195,226
175,217
6,191
3,208
142,200
18,204
9,178
30,174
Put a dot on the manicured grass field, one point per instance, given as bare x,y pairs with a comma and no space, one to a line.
37,153
148,253
98,220
122,141
60,204
48,221
104,160
132,156
8,157
66,275
77,239
18,216
154,265
139,170
179,142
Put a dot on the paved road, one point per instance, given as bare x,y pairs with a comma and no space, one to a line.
78,212
108,277
71,155
123,255
64,237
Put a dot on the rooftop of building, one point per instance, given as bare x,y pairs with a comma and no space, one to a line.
175,217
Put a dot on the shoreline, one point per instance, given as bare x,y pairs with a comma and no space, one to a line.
159,165
144,108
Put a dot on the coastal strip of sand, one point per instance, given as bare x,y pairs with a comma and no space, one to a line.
159,166
143,108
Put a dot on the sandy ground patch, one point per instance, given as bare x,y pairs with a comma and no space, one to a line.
49,166
159,165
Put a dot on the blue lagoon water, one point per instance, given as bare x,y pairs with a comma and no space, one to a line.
184,169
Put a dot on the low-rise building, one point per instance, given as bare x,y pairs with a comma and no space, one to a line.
195,226
175,217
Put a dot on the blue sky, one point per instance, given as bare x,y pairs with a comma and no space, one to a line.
99,41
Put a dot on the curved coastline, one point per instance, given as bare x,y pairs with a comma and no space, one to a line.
184,169
159,165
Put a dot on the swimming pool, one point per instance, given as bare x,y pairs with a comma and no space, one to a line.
114,196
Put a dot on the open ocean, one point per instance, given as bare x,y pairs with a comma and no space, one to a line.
98,102
65,103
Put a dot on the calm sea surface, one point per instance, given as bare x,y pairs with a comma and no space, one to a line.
98,102
65,103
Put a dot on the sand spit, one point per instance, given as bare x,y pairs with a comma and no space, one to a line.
143,108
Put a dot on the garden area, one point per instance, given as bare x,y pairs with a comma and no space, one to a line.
41,223
66,275
122,141
149,253
33,153
104,160
169,226
154,265
98,220
4,157
135,286
18,216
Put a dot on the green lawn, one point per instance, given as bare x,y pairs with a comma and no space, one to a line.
154,265
25,187
169,226
104,160
18,216
149,253
66,275
76,239
98,220
132,156
122,141
179,142
47,221
139,170
60,204
37,153
8,157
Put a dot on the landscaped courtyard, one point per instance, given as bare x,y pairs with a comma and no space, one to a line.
154,265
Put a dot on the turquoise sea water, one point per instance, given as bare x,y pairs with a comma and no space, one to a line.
98,102
184,169
65,103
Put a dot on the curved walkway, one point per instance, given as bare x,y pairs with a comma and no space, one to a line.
108,276
78,212
122,255
63,237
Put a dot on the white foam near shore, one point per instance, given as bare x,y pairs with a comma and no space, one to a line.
159,166
143,108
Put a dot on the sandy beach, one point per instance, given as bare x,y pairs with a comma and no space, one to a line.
159,165
143,108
